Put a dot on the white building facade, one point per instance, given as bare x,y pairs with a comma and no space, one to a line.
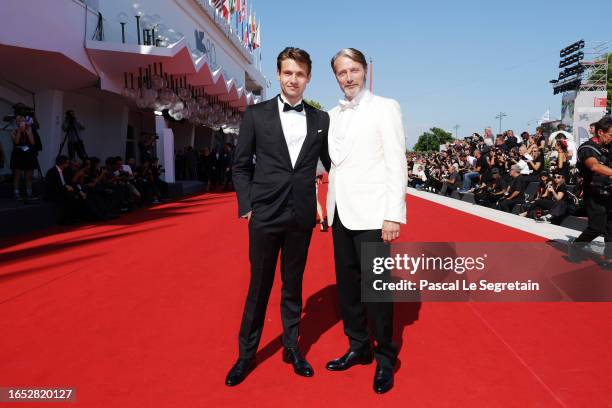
188,63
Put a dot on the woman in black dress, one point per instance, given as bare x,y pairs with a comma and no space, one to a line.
23,158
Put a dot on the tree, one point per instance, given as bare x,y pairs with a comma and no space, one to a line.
431,141
314,104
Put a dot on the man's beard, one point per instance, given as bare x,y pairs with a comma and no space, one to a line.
352,92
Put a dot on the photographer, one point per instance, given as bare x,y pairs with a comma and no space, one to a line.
495,160
59,190
23,158
551,205
480,170
510,141
536,165
521,159
490,192
515,194
594,165
450,181
418,178
72,129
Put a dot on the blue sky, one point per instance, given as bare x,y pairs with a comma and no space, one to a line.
447,62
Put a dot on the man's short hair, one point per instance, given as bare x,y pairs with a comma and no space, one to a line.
604,124
561,126
560,136
296,54
516,167
61,159
350,53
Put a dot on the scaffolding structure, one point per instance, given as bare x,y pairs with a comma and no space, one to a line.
595,73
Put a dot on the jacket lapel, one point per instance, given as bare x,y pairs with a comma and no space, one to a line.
352,130
311,131
275,128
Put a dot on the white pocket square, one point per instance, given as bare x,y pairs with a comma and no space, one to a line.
319,131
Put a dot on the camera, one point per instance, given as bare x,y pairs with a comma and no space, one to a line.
19,109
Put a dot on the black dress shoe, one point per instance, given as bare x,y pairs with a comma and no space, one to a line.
239,371
348,360
383,379
299,363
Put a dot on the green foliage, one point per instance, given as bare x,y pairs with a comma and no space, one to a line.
314,103
431,141
596,77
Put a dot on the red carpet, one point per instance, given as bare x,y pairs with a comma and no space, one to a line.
144,312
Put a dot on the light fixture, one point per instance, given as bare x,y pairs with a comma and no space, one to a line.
122,18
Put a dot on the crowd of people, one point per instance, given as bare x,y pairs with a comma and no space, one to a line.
87,189
499,169
91,190
214,168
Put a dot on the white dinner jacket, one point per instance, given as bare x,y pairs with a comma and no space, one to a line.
369,174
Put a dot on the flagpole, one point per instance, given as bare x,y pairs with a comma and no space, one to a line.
371,76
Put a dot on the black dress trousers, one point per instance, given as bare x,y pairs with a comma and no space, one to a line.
289,239
356,315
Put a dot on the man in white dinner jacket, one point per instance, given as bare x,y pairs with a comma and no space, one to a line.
366,202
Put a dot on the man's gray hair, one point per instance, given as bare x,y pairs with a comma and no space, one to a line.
353,54
516,167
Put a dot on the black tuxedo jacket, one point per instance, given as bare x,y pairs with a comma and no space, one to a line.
54,190
266,186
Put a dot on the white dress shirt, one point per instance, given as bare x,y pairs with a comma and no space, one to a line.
345,117
294,129
61,174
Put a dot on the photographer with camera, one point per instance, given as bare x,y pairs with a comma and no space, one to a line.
23,158
478,171
550,204
450,181
515,194
72,128
536,165
490,192
595,165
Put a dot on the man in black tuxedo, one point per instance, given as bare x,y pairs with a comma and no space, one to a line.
274,172
58,189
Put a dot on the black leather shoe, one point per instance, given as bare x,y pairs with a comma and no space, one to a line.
348,360
299,363
239,371
383,379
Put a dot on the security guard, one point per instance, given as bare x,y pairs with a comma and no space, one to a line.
595,164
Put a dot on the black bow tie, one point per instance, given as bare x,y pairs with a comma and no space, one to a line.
297,108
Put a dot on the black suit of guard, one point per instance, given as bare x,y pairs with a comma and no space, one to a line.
283,204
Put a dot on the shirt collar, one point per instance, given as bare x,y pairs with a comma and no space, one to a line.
354,103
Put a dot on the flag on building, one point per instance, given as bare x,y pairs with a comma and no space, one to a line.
545,117
256,37
226,10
